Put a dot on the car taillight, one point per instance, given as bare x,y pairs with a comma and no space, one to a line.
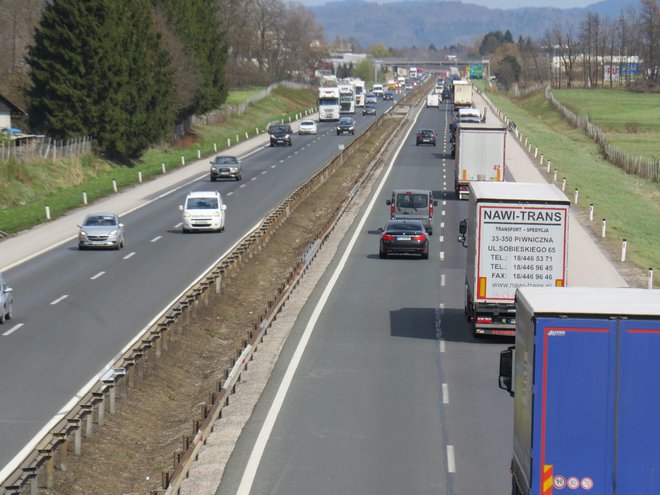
392,209
431,209
420,237
388,237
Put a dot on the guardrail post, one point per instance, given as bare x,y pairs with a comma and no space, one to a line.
591,212
650,278
63,451
624,246
50,470
603,229
100,407
77,440
89,420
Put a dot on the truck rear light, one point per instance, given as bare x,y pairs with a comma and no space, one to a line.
484,321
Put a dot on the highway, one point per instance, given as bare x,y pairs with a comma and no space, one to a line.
392,394
76,310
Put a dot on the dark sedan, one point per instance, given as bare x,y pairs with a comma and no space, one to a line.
426,136
346,125
388,95
369,109
404,237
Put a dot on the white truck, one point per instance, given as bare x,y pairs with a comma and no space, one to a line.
346,98
461,93
516,235
329,103
479,155
360,91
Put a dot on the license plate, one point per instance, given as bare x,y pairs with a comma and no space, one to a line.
404,238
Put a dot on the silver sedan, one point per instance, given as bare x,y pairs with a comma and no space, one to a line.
101,230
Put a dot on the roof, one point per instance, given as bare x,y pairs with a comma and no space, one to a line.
13,108
587,300
203,194
517,191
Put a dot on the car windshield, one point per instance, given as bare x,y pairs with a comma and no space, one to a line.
225,160
307,123
278,128
202,204
426,132
412,201
100,220
346,121
408,226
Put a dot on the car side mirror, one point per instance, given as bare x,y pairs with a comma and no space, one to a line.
462,227
224,207
506,370
180,207
388,202
121,225
435,202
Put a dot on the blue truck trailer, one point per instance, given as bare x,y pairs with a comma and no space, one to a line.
585,376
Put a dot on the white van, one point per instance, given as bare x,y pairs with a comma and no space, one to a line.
378,89
433,100
203,210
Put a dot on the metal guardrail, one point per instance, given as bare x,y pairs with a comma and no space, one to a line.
37,469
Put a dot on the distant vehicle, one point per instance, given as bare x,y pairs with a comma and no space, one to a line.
413,204
371,98
369,109
462,93
388,95
6,300
329,103
426,136
346,125
433,100
225,167
378,89
101,230
307,127
404,236
280,134
203,210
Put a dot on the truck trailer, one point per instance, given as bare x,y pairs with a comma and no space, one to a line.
585,376
516,235
461,93
479,154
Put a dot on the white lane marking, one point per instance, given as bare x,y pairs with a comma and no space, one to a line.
129,255
273,166
264,172
13,329
278,401
451,461
99,274
444,203
442,280
444,212
445,393
442,346
241,186
156,239
228,194
253,179
442,225
441,238
59,299
442,255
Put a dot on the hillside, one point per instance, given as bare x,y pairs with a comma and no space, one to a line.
421,23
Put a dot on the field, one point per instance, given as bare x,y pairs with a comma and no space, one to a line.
27,187
630,204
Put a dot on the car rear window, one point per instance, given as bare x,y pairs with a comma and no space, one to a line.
407,226
412,201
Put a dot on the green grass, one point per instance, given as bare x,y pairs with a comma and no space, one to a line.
238,96
26,188
630,204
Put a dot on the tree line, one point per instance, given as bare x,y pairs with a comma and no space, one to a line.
124,71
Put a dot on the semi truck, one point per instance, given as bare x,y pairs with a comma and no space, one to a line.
360,92
516,235
584,374
461,93
479,155
346,98
329,103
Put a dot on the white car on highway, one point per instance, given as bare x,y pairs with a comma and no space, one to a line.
307,127
203,210
6,300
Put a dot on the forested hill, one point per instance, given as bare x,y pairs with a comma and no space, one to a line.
421,23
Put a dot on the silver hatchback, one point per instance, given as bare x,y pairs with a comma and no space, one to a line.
6,300
101,230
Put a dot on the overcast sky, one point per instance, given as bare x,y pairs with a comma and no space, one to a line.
495,4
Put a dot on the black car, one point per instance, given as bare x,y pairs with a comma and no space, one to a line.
388,95
369,109
426,136
404,237
346,125
280,134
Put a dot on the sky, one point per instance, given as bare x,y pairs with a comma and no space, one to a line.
494,4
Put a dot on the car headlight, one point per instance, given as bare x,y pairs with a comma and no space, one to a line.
216,213
186,214
113,233
286,136
82,233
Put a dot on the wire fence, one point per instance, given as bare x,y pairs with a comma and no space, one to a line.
643,166
33,147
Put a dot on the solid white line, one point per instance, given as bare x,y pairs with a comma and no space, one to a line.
59,299
157,238
269,423
445,393
442,345
129,255
451,462
99,274
13,329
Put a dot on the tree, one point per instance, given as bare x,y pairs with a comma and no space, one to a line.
491,42
508,37
98,68
649,31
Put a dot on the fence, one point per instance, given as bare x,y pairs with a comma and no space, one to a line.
31,147
643,166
